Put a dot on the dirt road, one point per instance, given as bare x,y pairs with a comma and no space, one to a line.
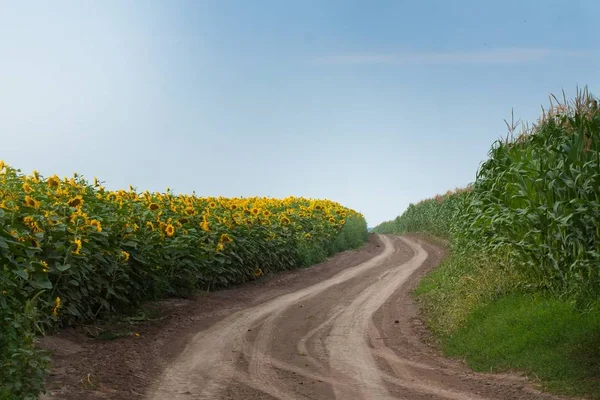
354,335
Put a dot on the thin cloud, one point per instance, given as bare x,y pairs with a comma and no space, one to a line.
497,56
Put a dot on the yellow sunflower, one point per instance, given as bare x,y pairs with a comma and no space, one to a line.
258,272
125,255
56,307
76,201
153,207
31,202
112,197
27,188
96,224
204,226
53,181
169,230
78,246
190,211
225,238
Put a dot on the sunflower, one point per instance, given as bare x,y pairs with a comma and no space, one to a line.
184,220
35,228
233,207
220,247
31,202
307,236
56,307
150,225
2,165
79,217
212,204
78,245
225,238
266,213
27,188
258,272
285,221
34,243
204,226
53,181
96,183
96,224
255,211
332,220
112,197
190,211
342,222
29,221
125,255
153,207
169,230
76,201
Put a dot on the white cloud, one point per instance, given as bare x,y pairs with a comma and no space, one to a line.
495,56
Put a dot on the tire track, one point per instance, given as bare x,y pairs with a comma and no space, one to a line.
325,341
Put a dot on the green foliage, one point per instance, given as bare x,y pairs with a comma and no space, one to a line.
536,200
22,366
437,216
353,235
538,197
539,335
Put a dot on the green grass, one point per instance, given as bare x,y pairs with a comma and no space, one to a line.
547,338
463,282
482,311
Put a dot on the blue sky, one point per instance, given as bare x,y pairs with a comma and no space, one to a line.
374,104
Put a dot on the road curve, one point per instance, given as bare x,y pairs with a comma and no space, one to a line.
355,335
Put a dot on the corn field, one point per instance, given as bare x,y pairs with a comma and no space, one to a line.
535,200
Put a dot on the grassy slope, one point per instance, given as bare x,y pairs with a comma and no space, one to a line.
546,337
478,313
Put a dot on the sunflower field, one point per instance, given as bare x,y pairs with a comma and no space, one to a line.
72,251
